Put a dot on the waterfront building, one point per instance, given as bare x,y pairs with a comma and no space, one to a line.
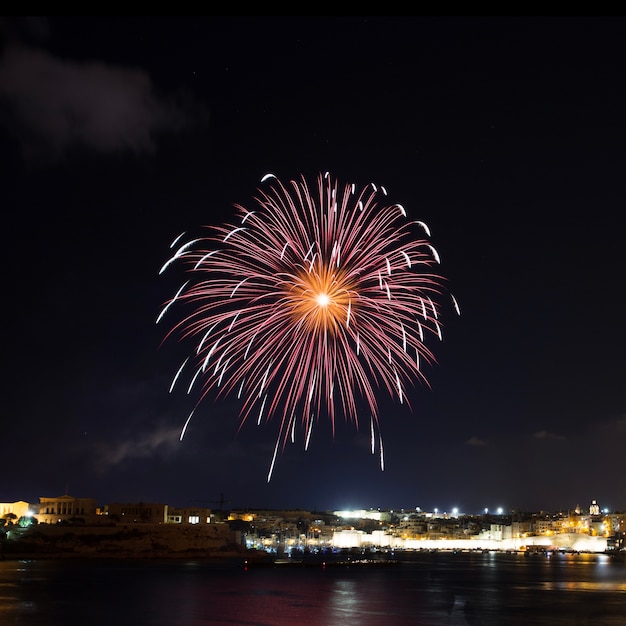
13,511
189,515
138,512
67,509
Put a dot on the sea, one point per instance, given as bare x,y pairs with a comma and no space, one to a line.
429,588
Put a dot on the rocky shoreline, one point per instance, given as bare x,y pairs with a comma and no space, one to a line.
141,541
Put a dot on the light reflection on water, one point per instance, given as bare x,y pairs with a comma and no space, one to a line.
586,586
430,589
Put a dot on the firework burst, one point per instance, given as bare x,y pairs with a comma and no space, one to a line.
319,296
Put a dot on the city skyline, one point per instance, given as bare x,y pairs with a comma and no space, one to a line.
503,135
592,508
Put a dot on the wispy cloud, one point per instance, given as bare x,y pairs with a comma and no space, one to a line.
475,441
158,442
51,104
544,434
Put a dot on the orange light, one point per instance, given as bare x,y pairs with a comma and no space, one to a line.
321,299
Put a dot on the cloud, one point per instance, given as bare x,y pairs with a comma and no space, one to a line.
475,441
159,442
50,105
544,434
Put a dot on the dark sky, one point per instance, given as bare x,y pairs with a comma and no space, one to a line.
507,136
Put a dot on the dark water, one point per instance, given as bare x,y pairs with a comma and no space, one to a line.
429,588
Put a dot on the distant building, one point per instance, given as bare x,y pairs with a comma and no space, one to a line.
189,515
66,509
413,525
14,510
137,513
545,525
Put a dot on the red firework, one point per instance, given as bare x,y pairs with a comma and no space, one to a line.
319,296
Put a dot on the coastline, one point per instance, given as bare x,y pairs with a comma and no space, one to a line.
216,542
141,541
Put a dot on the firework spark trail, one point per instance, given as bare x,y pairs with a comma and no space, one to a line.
317,298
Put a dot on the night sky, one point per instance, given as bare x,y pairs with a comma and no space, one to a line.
507,136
